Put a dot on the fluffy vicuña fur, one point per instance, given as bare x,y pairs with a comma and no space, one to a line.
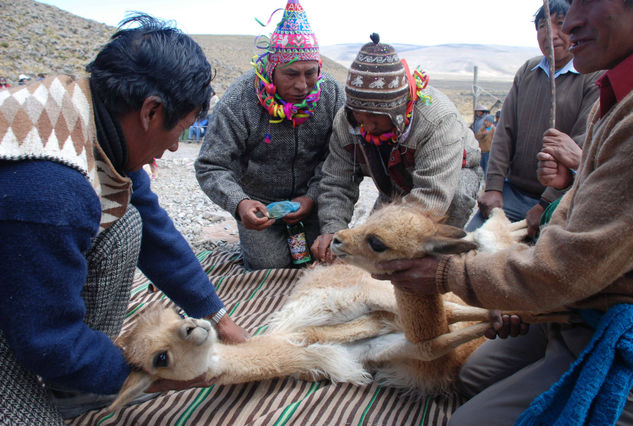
417,342
338,318
164,345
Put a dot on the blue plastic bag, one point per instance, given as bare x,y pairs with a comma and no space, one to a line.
279,209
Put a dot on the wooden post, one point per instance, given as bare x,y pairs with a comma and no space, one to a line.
550,59
475,90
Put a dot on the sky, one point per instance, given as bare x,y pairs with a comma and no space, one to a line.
419,22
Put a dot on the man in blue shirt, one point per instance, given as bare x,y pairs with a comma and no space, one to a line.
77,216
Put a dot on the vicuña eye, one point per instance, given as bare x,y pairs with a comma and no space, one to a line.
376,244
161,360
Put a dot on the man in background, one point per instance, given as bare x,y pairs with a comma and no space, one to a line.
511,181
77,217
484,137
480,113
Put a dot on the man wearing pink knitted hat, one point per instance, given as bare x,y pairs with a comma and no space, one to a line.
293,39
267,140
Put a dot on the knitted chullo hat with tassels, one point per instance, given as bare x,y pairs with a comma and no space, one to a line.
377,82
292,40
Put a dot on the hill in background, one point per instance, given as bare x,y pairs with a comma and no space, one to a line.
38,38
230,56
450,61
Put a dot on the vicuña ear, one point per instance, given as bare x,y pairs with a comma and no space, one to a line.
450,231
133,386
444,245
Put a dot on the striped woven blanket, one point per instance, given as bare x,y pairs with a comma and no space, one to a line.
250,297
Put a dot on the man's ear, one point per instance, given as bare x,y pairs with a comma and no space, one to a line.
133,386
151,111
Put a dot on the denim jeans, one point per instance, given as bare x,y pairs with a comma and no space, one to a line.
484,161
516,204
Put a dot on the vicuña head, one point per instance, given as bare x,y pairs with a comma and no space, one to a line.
164,344
400,230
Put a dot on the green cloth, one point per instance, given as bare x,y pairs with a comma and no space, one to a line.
547,214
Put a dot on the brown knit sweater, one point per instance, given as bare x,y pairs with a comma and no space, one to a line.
484,137
584,257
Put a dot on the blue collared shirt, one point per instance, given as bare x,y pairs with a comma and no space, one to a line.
544,65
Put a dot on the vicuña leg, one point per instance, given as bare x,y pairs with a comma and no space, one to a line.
371,325
456,312
270,356
395,346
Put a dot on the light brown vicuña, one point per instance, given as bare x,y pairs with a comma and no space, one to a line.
163,345
413,342
338,320
440,330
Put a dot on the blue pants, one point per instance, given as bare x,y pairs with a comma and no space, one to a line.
195,132
516,204
484,161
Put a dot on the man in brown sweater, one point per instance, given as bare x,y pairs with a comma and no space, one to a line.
484,137
511,181
582,259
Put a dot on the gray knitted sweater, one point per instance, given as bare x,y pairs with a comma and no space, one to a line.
236,163
436,141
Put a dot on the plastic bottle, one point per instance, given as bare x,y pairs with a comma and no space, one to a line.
298,244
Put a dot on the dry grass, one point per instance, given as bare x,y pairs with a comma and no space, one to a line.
461,93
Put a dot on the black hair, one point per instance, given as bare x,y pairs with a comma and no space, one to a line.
152,59
556,7
349,114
